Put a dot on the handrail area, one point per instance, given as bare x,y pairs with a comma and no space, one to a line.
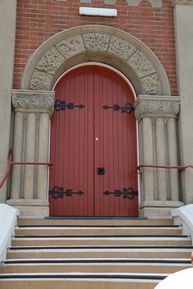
10,163
165,167
7,170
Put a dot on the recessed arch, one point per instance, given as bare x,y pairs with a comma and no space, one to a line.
100,44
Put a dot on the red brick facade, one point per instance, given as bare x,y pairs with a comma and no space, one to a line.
38,20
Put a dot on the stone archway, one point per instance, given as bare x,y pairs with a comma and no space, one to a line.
156,112
96,43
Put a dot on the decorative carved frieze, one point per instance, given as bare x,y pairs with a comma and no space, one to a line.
141,64
51,61
33,100
96,41
148,106
121,48
71,46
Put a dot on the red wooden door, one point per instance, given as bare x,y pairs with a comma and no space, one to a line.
93,148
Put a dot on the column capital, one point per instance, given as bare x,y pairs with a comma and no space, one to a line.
33,100
157,106
182,2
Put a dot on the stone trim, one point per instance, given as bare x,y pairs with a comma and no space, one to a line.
182,2
154,3
33,100
157,106
96,43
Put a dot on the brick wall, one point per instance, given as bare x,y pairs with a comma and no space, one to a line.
38,20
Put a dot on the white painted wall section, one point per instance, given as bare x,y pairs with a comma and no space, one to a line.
184,216
8,220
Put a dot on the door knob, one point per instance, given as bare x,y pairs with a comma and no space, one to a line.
100,171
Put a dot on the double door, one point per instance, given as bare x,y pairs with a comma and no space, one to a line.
93,145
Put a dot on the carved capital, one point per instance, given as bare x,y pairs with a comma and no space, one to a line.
182,2
156,106
33,100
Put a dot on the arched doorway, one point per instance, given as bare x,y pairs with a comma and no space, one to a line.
93,145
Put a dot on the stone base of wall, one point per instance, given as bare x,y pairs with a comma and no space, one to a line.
158,209
30,208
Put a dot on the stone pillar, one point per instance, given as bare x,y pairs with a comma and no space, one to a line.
183,13
29,189
157,116
7,47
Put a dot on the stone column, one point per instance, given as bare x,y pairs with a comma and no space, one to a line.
157,116
42,183
183,13
173,159
29,190
17,152
161,159
7,47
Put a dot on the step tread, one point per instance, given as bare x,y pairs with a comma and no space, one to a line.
85,275
98,247
103,260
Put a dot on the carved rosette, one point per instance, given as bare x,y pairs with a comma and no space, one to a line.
33,100
157,107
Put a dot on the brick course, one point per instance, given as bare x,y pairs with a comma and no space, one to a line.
38,20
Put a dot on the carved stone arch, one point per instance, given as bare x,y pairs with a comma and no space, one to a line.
101,44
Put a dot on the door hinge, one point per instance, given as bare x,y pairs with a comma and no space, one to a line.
127,108
127,193
62,105
58,192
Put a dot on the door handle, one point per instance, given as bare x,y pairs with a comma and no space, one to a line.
100,171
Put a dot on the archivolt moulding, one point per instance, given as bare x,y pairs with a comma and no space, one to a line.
100,44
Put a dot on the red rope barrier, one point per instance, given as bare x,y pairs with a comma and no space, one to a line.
165,167
7,170
10,162
32,163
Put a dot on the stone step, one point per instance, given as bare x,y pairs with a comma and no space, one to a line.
120,241
102,231
95,221
138,252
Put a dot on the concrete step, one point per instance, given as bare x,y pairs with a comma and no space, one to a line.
94,265
119,241
78,283
96,231
87,253
121,252
95,221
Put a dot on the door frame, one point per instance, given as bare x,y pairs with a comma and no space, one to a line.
135,97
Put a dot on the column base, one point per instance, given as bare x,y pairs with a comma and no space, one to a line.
30,208
158,209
